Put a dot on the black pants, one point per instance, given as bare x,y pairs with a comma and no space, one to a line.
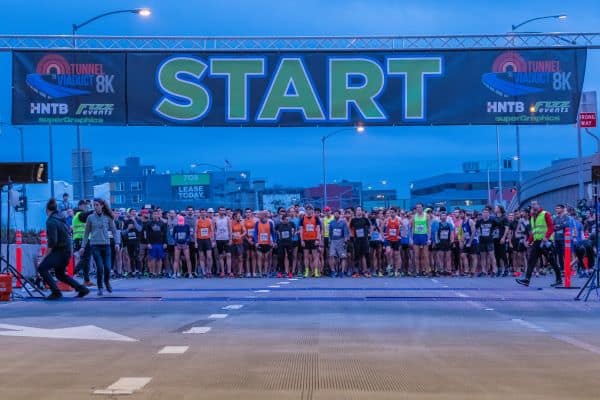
58,261
285,250
84,260
535,255
133,251
559,245
193,257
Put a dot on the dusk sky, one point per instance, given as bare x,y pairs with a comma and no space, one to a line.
292,156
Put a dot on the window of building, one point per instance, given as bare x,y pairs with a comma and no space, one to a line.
136,185
117,199
136,198
117,186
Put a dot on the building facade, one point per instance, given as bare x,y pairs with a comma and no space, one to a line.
473,189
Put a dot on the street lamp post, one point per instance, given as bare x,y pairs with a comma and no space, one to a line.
359,129
144,12
561,17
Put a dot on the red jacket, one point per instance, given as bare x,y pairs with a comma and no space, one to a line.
549,224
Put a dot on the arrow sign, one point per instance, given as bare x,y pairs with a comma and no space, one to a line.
87,332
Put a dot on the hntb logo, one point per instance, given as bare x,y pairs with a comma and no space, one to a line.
49,108
505,106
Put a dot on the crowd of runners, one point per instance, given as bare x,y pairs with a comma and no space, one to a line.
310,242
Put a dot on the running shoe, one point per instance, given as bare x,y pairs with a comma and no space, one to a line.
317,273
306,273
290,275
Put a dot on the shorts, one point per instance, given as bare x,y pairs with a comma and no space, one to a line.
375,244
310,245
337,249
486,247
248,246
264,248
471,249
361,248
499,250
443,246
223,246
395,246
184,246
204,245
518,245
419,240
156,252
237,249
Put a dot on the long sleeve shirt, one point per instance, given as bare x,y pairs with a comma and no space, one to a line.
97,228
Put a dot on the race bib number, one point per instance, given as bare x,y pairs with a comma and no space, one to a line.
264,237
393,232
181,236
560,232
360,233
444,235
203,231
485,231
310,228
236,235
250,232
420,229
337,232
131,235
285,235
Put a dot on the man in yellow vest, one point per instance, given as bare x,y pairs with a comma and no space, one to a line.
78,226
542,228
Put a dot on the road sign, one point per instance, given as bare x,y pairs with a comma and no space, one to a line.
587,120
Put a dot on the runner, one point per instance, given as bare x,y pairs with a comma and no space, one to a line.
420,228
362,229
249,246
393,235
469,245
222,229
310,235
339,234
182,235
237,247
264,237
205,239
156,233
376,242
78,228
191,220
485,229
285,231
444,239
327,218
500,236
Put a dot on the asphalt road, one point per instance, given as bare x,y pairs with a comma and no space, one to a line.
453,338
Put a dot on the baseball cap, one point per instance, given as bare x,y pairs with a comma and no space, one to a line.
327,208
210,210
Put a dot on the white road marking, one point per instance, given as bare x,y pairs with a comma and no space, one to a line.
173,350
283,283
292,279
435,281
262,291
87,332
217,316
198,329
529,325
124,386
489,309
462,295
445,286
232,307
274,286
577,343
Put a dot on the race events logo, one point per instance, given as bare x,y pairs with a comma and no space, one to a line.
513,75
56,78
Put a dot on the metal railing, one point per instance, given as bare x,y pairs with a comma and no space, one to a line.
223,43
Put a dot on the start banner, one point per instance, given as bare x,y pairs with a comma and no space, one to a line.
300,88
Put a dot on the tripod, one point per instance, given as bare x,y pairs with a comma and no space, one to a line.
26,283
593,282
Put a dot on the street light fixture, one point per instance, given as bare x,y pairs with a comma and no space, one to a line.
560,17
359,128
144,12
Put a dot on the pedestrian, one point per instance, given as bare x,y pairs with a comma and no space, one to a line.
58,254
97,229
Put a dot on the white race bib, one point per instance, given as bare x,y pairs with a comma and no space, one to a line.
203,231
285,234
393,232
337,232
360,233
310,228
444,235
264,237
250,232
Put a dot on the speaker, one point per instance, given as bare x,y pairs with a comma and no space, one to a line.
595,173
23,172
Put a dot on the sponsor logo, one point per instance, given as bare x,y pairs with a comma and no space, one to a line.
56,78
505,106
551,107
513,75
48,108
95,109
